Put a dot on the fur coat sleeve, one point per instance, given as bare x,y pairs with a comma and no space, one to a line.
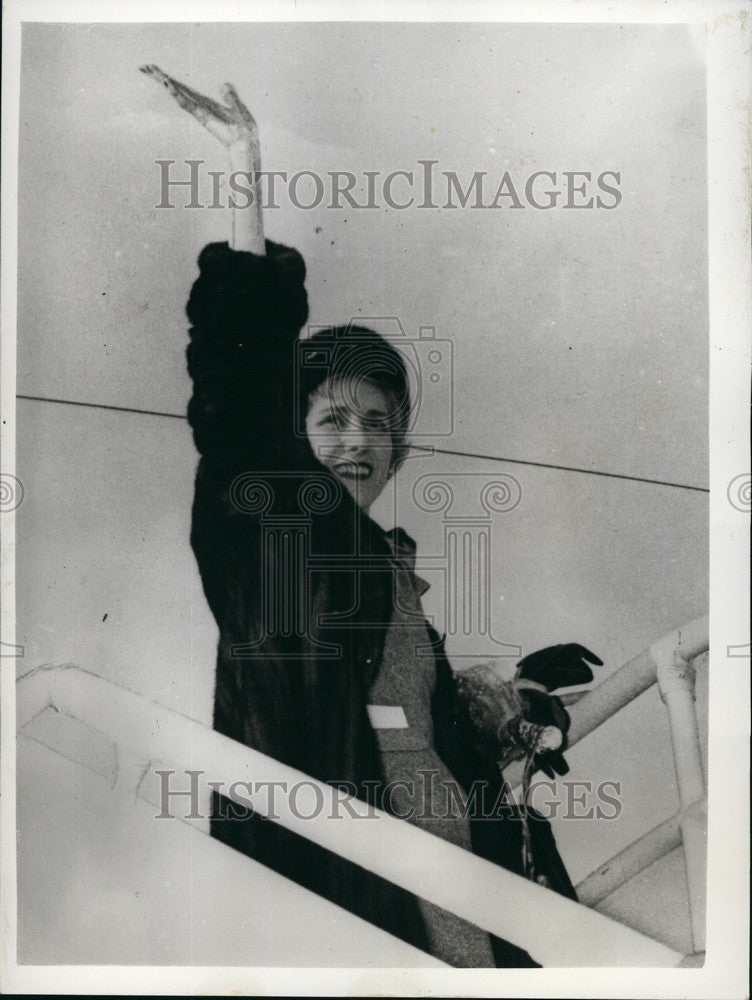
273,531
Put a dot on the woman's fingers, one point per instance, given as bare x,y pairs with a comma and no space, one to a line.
157,74
151,70
229,95
234,104
557,763
203,109
559,666
175,89
586,654
231,122
211,106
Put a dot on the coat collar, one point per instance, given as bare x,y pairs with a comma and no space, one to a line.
404,548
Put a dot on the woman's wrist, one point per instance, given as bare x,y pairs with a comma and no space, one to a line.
235,127
247,221
523,684
246,154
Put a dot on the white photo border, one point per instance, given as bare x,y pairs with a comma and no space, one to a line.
724,974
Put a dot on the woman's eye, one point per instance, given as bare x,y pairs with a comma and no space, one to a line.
370,424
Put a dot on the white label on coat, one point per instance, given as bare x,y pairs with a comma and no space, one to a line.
387,716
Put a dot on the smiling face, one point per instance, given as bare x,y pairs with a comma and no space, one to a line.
349,427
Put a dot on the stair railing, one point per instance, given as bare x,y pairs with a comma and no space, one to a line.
555,930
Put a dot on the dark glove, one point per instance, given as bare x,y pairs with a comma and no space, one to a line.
547,710
553,668
558,666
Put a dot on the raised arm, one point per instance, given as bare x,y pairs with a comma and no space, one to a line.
246,310
233,124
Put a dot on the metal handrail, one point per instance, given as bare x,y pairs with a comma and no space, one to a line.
666,663
556,931
620,688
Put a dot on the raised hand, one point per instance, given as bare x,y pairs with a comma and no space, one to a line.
231,122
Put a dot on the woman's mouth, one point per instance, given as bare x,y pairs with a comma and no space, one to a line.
359,471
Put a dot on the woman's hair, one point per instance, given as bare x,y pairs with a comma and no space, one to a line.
355,354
